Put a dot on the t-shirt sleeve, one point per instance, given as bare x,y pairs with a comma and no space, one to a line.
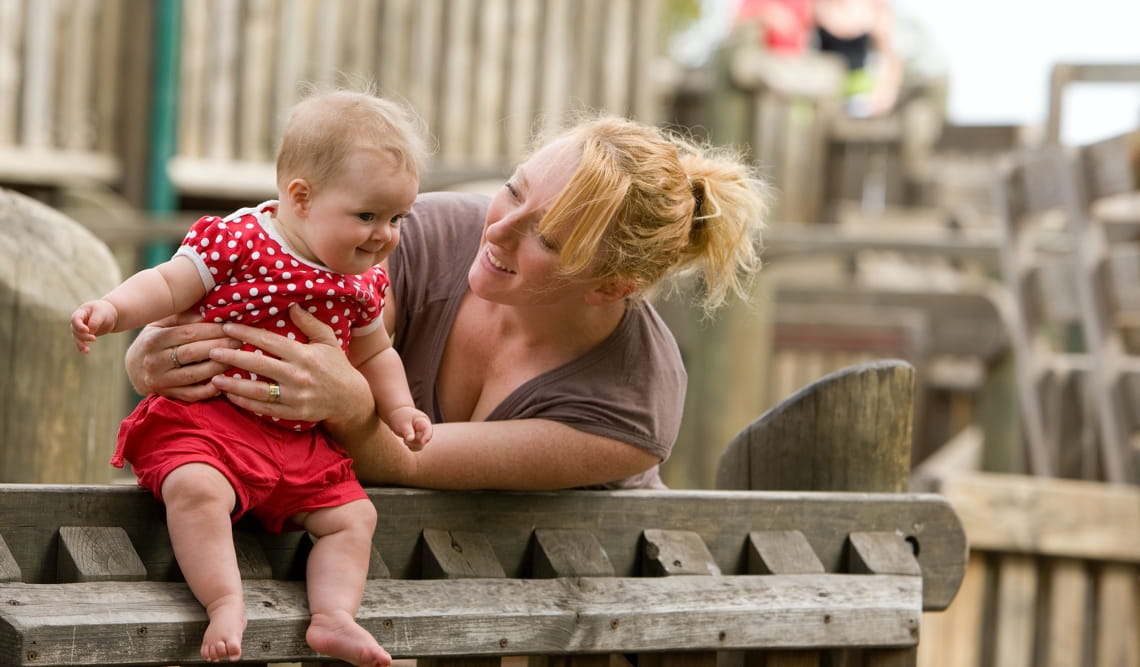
373,287
208,245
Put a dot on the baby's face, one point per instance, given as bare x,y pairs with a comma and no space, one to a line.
353,222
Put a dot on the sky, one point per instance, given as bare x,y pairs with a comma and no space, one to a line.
998,54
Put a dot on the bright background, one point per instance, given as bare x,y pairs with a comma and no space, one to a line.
998,54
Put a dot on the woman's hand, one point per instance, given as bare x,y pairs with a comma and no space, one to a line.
314,380
172,357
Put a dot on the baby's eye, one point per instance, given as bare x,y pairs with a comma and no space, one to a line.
366,217
395,219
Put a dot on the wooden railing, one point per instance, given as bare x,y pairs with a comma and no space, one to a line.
87,575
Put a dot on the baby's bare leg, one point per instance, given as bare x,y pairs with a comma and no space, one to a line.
199,500
336,572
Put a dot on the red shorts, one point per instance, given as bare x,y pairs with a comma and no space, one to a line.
275,472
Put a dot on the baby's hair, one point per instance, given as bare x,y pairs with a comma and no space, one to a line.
327,125
645,205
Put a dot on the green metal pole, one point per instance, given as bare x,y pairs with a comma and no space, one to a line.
161,197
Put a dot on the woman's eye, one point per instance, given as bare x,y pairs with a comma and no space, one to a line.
366,217
547,243
511,189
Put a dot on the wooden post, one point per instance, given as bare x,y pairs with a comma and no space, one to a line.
60,409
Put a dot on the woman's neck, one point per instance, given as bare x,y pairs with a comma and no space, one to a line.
563,330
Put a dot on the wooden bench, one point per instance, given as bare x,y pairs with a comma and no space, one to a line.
87,576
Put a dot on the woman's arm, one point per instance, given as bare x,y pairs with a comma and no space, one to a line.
522,454
319,384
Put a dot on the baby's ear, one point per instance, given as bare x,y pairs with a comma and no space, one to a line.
298,195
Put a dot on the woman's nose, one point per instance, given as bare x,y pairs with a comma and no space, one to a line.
503,231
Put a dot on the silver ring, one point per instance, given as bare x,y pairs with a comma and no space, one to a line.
174,357
274,392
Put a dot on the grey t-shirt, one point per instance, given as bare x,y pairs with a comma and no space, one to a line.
631,387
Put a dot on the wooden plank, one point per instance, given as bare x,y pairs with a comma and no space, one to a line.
1118,616
193,78
73,624
486,123
221,102
37,119
9,568
558,54
526,73
11,68
723,519
569,553
453,554
676,552
109,79
456,94
1016,613
953,638
1068,621
881,553
76,75
781,552
1050,517
89,553
259,42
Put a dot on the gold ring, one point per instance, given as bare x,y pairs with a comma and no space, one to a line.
274,392
174,357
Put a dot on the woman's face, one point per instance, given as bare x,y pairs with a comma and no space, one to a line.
515,264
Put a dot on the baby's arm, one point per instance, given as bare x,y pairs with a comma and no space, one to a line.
376,359
150,294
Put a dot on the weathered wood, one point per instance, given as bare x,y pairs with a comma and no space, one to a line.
849,430
453,554
723,519
673,552
59,410
1050,517
74,624
781,552
93,553
9,568
882,553
1052,578
569,553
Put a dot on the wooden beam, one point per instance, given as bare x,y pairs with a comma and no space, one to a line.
93,623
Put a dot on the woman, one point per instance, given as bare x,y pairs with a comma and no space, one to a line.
528,338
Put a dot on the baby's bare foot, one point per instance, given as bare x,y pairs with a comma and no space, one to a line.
339,636
222,640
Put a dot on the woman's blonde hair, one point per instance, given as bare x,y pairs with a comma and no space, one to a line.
327,125
644,205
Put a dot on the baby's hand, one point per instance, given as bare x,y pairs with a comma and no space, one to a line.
413,425
91,320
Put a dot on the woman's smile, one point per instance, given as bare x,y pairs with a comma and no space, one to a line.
495,262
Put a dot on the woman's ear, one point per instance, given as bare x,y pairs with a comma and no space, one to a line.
614,289
298,196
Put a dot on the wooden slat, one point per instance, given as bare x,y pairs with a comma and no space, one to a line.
11,44
108,78
1051,517
674,552
91,553
459,555
723,519
569,553
75,625
37,110
258,44
953,638
1016,611
781,552
1118,616
9,568
1067,621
